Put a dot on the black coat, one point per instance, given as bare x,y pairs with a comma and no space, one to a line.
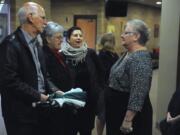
88,75
174,109
58,73
174,104
19,78
107,58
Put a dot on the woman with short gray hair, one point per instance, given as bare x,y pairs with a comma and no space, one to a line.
141,28
58,74
52,28
128,107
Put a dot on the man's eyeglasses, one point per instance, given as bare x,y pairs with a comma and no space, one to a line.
42,17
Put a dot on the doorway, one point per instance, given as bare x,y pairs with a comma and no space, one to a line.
88,24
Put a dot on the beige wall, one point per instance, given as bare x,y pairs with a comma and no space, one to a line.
150,15
170,26
62,11
16,4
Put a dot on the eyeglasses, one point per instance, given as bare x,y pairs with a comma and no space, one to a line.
128,32
41,16
58,37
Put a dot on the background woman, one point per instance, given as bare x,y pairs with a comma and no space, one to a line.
108,57
128,107
86,72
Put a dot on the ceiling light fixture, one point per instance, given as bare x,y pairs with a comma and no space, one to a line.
158,2
2,1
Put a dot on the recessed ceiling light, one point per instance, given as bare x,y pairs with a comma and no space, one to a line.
2,1
158,2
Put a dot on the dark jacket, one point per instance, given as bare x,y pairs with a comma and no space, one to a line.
2,57
97,76
58,73
97,73
19,78
174,104
174,109
107,58
89,76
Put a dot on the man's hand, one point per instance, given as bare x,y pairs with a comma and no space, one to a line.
44,97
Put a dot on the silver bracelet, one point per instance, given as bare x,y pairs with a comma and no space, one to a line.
126,130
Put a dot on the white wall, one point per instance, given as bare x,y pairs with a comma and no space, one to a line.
169,36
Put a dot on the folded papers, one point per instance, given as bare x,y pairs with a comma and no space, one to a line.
75,96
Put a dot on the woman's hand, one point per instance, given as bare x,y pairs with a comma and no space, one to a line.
168,118
171,119
44,97
126,126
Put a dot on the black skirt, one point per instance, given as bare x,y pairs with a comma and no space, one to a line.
116,103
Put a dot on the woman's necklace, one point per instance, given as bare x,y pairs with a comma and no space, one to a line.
135,50
140,49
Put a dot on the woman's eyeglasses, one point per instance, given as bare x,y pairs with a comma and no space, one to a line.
128,32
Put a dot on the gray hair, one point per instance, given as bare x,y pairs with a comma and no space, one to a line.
140,27
28,8
52,28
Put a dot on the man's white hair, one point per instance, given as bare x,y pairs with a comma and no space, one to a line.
29,7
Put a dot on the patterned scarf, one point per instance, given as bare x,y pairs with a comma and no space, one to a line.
75,55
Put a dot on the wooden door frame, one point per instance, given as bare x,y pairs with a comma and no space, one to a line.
76,17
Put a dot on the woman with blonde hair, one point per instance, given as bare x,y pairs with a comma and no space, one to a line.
108,57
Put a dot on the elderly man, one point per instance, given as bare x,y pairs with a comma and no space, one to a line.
23,73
